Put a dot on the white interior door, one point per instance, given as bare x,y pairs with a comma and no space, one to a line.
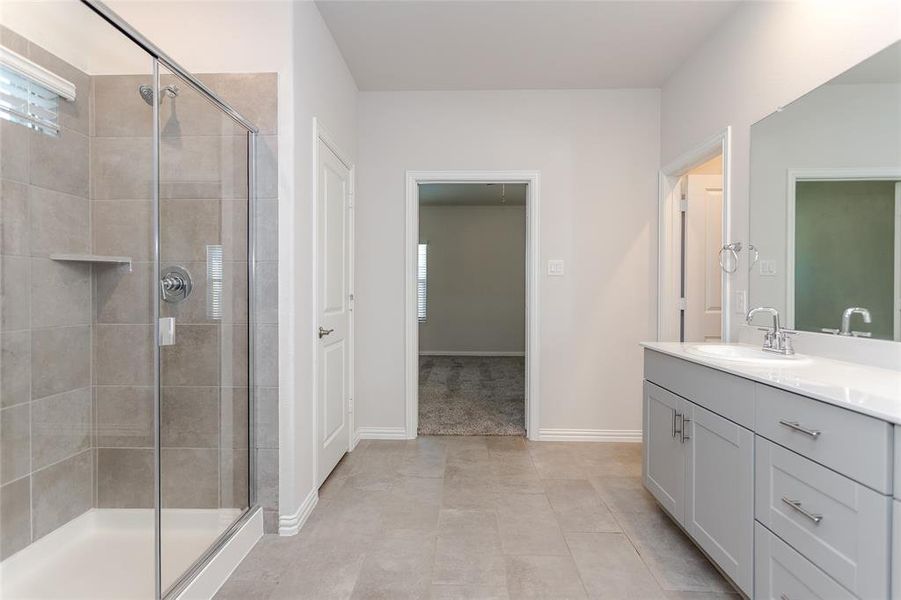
703,276
333,308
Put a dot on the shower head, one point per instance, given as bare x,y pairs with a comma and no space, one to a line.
146,92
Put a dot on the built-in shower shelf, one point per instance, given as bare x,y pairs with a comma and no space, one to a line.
96,259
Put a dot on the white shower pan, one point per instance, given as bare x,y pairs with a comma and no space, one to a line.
107,554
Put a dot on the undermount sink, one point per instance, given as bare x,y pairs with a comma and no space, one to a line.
744,354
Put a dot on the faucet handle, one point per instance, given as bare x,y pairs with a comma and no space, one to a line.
829,330
865,334
789,331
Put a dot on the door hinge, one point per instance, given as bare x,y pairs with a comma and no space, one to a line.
683,204
683,304
350,405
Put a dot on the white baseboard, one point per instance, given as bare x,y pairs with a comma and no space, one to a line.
217,571
589,435
291,524
381,433
469,353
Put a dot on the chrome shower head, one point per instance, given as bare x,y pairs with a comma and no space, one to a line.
146,92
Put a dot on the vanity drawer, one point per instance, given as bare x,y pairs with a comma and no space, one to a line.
780,573
851,443
726,395
838,524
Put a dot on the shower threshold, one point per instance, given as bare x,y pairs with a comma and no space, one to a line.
107,553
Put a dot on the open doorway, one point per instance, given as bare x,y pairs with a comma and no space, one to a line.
472,303
471,308
697,255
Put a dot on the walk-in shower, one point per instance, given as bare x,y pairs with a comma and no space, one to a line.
126,301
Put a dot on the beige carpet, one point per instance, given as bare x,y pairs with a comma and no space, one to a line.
471,395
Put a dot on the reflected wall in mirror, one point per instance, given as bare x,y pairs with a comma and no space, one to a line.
825,207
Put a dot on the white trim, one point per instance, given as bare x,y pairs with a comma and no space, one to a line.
533,281
821,174
897,306
381,433
590,435
667,288
220,567
63,88
470,353
321,134
292,524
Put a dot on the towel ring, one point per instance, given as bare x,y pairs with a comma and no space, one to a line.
733,248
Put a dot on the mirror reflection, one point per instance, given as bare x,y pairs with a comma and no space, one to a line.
825,207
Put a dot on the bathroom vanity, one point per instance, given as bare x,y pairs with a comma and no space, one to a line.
781,469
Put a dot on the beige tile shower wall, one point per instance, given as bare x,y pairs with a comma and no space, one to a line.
46,466
203,201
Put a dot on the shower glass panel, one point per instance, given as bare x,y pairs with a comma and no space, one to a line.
124,446
77,377
204,424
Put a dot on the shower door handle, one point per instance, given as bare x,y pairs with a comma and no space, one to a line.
167,331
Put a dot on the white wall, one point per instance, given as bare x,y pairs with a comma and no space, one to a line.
764,56
292,40
476,299
597,152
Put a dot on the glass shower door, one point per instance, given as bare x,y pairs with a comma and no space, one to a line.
204,323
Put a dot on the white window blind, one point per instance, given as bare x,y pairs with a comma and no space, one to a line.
30,94
422,276
214,283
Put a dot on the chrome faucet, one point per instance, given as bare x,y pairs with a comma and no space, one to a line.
775,340
846,323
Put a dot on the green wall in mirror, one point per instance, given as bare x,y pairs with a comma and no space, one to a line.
845,254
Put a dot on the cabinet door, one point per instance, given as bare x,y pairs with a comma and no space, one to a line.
664,458
719,495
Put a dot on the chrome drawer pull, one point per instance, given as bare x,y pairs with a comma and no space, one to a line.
799,428
795,504
676,415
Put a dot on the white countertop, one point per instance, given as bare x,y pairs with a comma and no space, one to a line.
861,388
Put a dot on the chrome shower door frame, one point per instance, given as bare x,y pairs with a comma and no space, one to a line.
161,59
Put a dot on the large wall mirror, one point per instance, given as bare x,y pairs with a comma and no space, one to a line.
825,207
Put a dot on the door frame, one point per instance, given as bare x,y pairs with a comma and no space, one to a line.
793,176
668,232
321,134
533,259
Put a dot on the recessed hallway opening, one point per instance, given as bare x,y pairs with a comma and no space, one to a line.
471,281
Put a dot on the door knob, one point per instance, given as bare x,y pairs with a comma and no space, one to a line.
324,332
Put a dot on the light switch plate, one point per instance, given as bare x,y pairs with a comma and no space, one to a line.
555,267
767,268
740,302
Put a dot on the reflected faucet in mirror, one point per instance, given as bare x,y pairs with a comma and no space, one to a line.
775,340
846,322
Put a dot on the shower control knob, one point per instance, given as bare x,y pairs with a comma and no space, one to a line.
175,284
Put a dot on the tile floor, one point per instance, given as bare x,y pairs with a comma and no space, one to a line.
482,517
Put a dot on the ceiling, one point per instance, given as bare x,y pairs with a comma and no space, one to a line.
472,194
550,44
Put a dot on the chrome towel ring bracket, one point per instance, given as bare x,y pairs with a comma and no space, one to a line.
729,265
728,256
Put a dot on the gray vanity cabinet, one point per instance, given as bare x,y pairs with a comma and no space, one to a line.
791,497
719,493
664,460
700,468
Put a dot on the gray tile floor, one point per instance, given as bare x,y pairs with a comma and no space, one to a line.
482,517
